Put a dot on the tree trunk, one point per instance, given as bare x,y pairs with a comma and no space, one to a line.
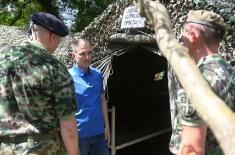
211,108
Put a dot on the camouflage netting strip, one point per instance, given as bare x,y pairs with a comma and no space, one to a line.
125,38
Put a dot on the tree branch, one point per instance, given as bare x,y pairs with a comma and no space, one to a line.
17,17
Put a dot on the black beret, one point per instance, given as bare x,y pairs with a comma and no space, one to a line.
50,22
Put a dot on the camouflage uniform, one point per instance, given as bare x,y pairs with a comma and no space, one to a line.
220,76
35,94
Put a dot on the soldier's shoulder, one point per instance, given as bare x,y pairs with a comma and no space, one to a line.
11,53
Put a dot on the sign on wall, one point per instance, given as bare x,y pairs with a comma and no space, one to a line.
132,19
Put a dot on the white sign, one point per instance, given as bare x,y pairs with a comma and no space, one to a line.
132,19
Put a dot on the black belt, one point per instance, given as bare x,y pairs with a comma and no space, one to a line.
25,138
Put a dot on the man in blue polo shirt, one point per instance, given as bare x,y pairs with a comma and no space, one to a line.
92,113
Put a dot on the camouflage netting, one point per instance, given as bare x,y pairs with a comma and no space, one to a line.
108,23
11,36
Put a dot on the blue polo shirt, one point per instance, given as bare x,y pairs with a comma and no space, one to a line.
88,88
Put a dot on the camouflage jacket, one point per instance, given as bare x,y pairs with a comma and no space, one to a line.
36,91
221,78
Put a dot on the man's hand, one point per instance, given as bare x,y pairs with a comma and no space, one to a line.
107,134
193,140
188,150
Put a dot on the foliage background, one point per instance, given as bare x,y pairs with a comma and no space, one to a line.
77,14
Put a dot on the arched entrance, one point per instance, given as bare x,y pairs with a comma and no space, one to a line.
138,89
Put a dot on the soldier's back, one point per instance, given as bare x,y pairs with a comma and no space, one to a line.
29,122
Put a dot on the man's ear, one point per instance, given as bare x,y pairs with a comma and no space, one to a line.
52,36
192,36
73,55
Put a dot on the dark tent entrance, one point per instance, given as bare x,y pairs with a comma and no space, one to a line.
132,88
137,88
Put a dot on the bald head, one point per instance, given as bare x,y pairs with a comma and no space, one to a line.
79,43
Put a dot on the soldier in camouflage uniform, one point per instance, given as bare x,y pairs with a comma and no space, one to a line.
202,34
37,103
